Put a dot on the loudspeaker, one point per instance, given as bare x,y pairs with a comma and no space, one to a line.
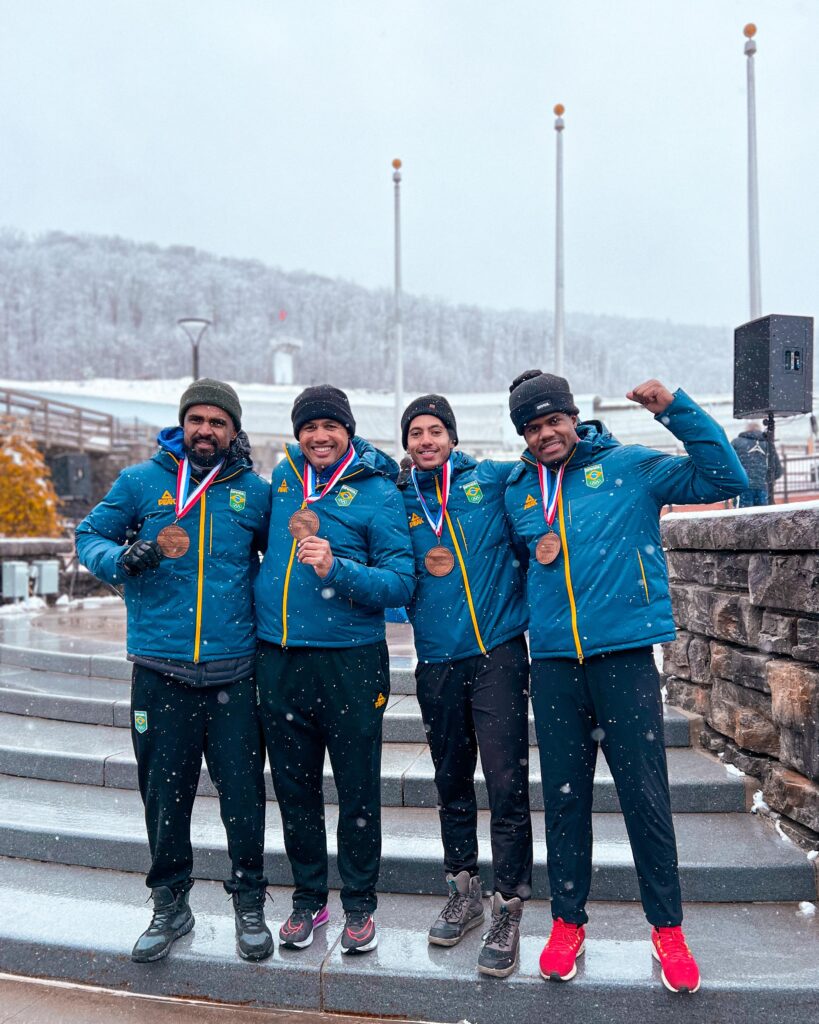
71,475
773,366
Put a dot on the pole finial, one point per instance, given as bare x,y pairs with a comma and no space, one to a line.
397,164
750,30
560,110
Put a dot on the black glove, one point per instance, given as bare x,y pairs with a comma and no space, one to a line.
141,555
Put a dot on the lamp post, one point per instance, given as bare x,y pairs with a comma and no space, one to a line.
194,327
398,323
753,183
560,316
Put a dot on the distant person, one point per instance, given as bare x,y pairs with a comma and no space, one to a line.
587,508
338,554
752,446
199,516
469,617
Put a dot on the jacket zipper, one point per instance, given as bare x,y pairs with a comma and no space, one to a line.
568,572
200,583
469,601
643,574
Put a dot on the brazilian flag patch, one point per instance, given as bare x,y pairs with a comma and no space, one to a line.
345,496
141,721
473,493
238,499
593,475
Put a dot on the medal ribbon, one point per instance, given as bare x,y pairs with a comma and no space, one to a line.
446,475
550,492
310,494
184,503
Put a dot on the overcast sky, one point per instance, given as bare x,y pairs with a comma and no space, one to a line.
266,128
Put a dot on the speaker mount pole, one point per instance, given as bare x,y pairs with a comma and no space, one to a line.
771,455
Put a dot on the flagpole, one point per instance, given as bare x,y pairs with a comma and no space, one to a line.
398,323
559,284
755,285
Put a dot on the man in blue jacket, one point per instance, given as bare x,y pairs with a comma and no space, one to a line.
338,554
182,533
469,615
587,508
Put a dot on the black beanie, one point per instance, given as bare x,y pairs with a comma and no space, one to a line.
429,405
322,402
212,392
535,393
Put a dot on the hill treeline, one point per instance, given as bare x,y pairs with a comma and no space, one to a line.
74,307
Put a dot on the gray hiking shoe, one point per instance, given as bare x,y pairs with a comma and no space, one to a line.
499,952
462,911
172,919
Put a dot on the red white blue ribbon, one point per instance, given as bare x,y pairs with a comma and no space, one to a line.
184,502
310,494
550,492
437,524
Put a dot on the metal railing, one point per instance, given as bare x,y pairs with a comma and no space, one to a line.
800,476
55,424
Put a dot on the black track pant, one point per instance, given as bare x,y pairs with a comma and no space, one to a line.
482,703
314,700
614,700
181,723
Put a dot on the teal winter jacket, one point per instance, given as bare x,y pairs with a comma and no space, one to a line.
608,588
197,608
482,602
363,520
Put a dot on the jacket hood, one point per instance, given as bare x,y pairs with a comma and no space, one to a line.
371,460
595,440
169,440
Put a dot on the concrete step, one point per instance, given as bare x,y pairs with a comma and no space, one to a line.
723,857
99,701
102,755
760,964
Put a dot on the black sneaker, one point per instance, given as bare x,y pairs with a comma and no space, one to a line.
499,952
462,911
172,918
359,932
253,938
297,930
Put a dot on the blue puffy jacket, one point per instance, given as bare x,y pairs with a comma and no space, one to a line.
363,520
608,588
482,602
197,608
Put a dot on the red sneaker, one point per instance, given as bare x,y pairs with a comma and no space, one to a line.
678,967
566,943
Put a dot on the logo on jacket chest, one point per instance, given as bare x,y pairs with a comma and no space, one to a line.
529,503
593,475
345,496
238,500
166,499
473,493
415,520
283,488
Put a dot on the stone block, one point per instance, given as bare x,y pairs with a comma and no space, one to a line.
699,660
807,640
721,655
714,568
711,740
792,794
770,529
757,765
684,694
734,618
800,750
749,669
675,656
750,727
795,708
777,634
698,608
785,581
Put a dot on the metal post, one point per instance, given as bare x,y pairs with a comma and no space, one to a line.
398,324
769,437
753,182
194,327
559,296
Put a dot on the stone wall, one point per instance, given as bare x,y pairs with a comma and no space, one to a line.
745,591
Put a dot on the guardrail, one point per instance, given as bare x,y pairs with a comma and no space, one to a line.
61,425
800,475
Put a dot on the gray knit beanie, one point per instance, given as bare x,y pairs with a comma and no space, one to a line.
206,391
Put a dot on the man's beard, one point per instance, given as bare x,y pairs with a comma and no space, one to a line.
205,460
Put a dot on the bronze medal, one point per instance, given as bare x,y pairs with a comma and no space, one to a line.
439,561
173,541
548,548
304,523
